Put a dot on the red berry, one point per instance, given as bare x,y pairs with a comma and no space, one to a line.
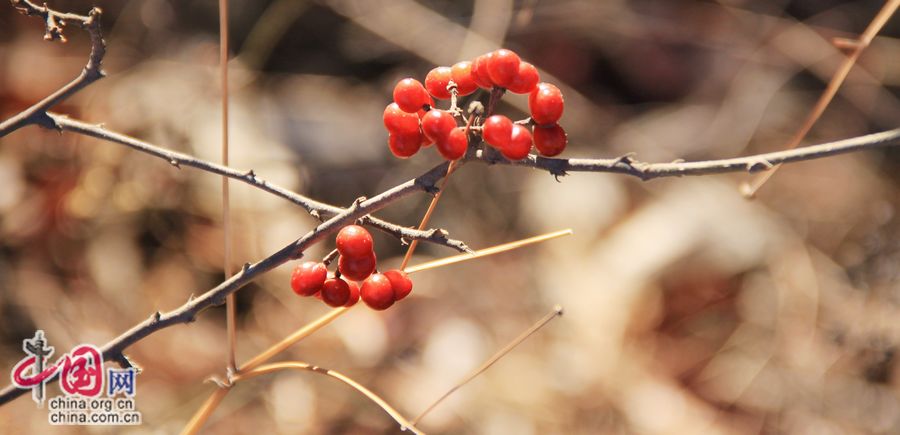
519,143
400,283
354,241
377,292
546,104
550,140
354,294
526,80
503,67
480,72
461,73
410,95
335,292
308,278
357,268
399,122
436,124
455,145
497,130
405,145
436,82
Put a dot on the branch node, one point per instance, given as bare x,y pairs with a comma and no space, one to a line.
759,165
175,163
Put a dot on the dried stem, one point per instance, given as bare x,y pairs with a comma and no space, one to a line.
199,419
557,311
856,48
230,303
487,251
428,213
298,365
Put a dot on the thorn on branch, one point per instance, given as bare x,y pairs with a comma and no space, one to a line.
175,163
759,165
155,317
250,174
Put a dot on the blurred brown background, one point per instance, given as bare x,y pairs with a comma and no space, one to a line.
688,308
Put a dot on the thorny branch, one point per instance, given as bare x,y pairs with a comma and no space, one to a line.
320,210
113,350
628,165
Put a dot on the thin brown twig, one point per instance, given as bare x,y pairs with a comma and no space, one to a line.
230,308
92,71
202,415
856,49
556,312
299,365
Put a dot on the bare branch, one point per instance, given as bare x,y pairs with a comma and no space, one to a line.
55,22
320,210
646,171
186,313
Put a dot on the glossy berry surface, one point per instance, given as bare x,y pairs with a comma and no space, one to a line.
397,121
461,73
503,67
335,292
436,124
353,297
410,95
308,278
436,82
519,143
550,140
454,147
497,130
377,292
357,268
405,145
545,104
400,283
526,80
354,241
480,72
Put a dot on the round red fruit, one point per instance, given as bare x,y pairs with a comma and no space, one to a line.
503,67
308,278
497,130
519,143
399,122
410,95
526,80
546,104
550,140
354,241
480,71
377,292
335,292
405,146
455,146
354,294
357,268
461,73
436,82
436,124
400,283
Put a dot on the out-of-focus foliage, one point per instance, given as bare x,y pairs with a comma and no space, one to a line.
688,308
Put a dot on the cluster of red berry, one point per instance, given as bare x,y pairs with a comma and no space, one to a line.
412,120
356,263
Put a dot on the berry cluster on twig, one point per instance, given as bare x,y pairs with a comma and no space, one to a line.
357,263
413,121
